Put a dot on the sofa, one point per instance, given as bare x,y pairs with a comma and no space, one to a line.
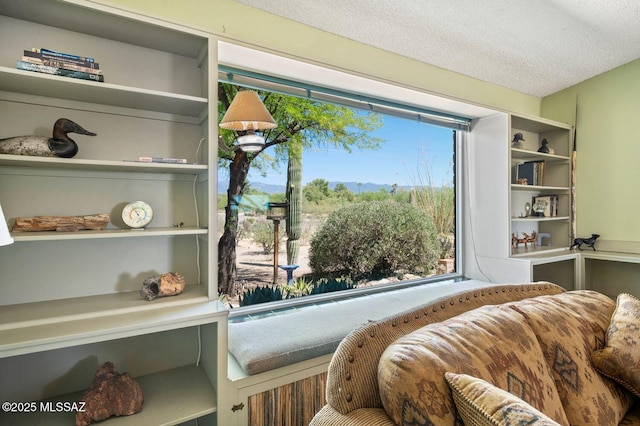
506,354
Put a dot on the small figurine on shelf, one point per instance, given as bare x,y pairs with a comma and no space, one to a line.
589,242
545,148
515,240
516,142
60,145
526,239
169,284
530,239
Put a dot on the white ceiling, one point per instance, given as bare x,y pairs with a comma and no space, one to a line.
537,47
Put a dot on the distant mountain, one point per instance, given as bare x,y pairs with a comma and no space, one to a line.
268,188
223,185
355,187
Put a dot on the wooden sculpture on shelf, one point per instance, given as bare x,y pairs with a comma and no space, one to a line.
110,394
545,148
169,284
530,239
526,239
61,223
517,141
60,145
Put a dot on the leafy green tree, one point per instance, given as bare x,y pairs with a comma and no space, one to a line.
343,193
316,191
340,187
301,123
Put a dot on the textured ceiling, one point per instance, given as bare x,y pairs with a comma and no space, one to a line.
537,47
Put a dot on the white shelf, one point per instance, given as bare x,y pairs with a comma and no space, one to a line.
539,219
108,23
40,326
170,397
99,165
524,154
538,188
587,253
530,251
53,86
106,233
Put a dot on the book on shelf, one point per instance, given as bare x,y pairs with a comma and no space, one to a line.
532,171
36,58
28,66
81,60
163,160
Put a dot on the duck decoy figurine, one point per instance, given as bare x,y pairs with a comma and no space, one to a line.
60,145
517,141
545,148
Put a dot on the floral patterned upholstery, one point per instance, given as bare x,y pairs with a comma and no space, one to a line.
411,372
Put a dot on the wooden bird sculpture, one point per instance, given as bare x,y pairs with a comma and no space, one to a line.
60,145
545,148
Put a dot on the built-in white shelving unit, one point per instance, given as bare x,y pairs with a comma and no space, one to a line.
498,202
70,300
556,182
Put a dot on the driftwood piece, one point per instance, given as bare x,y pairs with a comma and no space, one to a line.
61,223
110,394
168,284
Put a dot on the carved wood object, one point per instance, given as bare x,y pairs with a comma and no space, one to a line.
61,223
110,394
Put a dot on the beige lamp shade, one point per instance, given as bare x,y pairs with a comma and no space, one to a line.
247,112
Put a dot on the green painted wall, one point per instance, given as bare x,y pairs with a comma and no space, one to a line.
608,149
238,22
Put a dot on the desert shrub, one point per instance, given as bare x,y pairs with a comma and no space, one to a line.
245,227
262,234
374,239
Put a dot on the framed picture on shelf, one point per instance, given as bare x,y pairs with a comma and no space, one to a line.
545,206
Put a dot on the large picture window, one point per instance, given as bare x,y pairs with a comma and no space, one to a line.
339,199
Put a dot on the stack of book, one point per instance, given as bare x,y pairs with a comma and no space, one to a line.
56,63
532,171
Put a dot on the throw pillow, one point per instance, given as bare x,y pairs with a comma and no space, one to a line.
620,358
479,403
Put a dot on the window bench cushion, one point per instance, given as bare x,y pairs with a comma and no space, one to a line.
299,334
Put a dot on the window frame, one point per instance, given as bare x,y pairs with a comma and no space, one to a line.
458,275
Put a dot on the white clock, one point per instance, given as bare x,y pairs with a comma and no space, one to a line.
137,214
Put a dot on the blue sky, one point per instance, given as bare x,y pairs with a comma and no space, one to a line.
397,160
